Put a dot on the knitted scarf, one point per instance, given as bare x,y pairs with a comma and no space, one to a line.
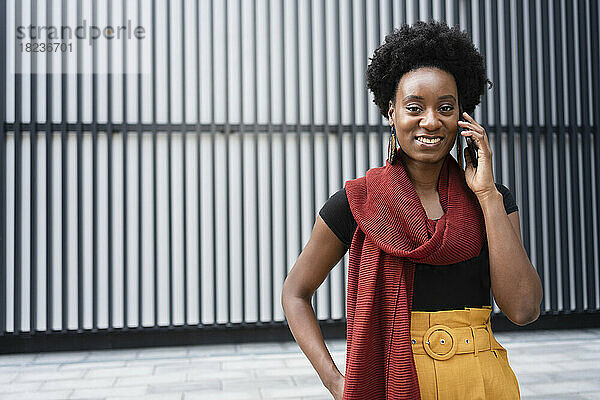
393,234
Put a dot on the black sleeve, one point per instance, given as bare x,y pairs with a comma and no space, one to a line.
337,215
509,201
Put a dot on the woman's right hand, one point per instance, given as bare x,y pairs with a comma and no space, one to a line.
337,387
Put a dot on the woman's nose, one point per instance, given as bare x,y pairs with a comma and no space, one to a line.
430,121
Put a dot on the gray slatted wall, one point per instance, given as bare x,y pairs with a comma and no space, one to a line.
173,180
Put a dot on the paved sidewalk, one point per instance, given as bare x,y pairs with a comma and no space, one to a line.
549,365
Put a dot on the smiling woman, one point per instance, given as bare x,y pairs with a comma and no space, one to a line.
425,121
427,240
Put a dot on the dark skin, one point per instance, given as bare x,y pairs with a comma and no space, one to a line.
416,90
425,104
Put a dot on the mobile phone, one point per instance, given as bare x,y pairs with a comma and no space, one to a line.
471,146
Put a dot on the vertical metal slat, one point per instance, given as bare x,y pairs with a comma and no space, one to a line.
497,139
523,128
140,303
298,127
184,164
95,304
340,135
549,157
326,137
562,180
3,94
350,25
212,152
365,97
270,134
227,134
109,135
125,133
49,189
482,49
537,179
154,134
17,267
284,133
243,167
573,131
169,168
590,293
33,292
312,128
596,96
64,186
198,165
80,310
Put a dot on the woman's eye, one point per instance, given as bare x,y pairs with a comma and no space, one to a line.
447,108
412,108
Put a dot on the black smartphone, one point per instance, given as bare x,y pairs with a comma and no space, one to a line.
471,146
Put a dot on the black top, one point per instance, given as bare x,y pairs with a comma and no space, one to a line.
436,287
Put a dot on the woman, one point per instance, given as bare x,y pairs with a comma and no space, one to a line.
427,240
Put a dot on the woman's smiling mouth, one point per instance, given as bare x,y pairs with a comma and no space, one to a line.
426,142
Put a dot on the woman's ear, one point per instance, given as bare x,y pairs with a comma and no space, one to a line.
391,113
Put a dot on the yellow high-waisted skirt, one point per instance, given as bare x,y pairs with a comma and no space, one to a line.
457,356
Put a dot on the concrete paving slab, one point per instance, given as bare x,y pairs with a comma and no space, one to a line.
182,387
111,355
65,384
258,383
102,393
91,365
561,388
61,357
36,376
548,364
147,396
16,359
186,365
553,397
286,393
220,395
591,395
52,395
119,372
20,387
209,350
151,379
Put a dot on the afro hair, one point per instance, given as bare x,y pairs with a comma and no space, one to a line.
427,44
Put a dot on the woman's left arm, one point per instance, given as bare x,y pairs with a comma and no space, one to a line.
515,283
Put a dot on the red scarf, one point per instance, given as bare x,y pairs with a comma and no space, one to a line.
393,234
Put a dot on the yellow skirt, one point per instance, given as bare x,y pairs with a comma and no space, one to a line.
457,356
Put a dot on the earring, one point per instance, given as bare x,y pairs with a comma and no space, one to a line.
392,147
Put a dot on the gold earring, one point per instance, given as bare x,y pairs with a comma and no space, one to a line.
392,146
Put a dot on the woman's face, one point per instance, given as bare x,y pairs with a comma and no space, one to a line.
426,107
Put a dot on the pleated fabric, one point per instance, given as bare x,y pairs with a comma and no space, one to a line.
485,374
393,234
